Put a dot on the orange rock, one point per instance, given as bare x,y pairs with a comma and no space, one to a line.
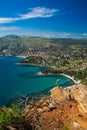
71,113
59,94
80,95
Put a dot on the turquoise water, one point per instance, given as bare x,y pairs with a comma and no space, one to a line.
21,80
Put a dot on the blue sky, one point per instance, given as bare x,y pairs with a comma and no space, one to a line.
46,18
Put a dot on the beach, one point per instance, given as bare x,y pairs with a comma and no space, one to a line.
72,78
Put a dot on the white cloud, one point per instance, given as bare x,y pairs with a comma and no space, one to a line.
7,20
56,35
37,12
64,35
8,28
84,34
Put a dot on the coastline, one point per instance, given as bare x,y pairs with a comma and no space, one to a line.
31,64
72,78
76,82
14,56
40,73
21,56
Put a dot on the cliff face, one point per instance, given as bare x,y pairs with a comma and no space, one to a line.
80,95
63,108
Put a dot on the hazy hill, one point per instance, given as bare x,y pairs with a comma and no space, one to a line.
13,44
28,41
37,41
10,37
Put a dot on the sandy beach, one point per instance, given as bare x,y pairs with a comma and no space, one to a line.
22,56
72,78
40,73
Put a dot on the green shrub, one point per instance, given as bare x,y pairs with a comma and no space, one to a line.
16,111
9,116
66,128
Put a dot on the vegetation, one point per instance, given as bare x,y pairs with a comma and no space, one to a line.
9,116
67,56
33,60
66,128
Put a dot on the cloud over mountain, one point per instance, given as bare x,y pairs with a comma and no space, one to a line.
37,12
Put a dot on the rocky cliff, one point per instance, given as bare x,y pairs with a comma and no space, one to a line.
63,109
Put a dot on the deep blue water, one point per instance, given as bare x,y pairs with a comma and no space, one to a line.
21,80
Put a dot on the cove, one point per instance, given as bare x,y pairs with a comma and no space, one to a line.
21,79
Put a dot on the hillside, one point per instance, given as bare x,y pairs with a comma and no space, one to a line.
67,56
21,45
63,109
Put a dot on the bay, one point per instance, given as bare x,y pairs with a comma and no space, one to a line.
21,79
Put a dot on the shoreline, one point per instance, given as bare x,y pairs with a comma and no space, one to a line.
31,64
76,82
21,56
14,56
40,73
72,78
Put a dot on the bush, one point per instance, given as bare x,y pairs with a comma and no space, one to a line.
9,116
5,118
16,111
66,128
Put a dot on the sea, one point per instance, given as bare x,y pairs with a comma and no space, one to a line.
16,79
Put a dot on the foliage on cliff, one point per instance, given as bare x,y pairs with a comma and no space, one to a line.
9,116
34,60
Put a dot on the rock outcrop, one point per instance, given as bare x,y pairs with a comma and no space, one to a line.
59,94
64,108
80,95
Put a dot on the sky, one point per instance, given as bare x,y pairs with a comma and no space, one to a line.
45,18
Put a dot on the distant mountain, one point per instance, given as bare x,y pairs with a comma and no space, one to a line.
10,37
